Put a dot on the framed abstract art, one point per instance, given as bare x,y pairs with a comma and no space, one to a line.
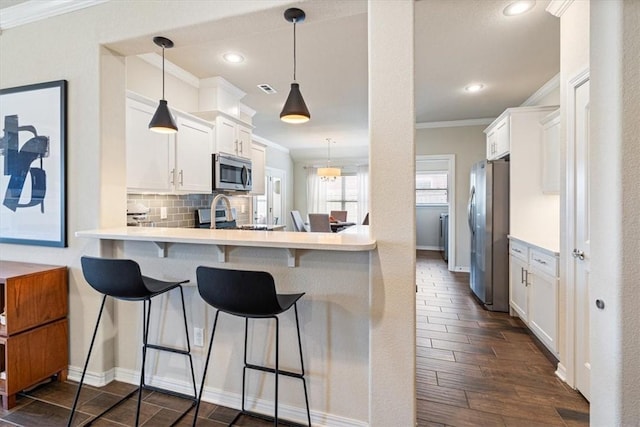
32,164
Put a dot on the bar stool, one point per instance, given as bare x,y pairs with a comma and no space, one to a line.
122,279
249,294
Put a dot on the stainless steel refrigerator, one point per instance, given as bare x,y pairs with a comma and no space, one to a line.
488,214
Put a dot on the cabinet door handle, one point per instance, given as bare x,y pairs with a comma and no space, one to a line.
181,177
521,275
540,261
526,278
173,175
516,250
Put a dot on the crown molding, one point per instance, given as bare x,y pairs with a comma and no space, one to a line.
170,68
455,123
268,143
37,10
558,7
546,89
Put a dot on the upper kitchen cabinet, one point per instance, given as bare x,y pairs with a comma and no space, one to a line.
159,163
232,137
498,138
150,155
194,146
219,102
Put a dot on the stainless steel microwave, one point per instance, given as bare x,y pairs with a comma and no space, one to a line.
231,173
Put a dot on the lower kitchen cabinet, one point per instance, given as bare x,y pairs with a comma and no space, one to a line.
519,281
534,290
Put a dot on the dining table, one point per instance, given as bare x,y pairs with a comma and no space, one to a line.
340,225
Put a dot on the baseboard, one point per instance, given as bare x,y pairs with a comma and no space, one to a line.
92,378
561,372
216,396
429,248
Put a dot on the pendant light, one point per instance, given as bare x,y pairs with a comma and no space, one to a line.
329,173
294,110
162,121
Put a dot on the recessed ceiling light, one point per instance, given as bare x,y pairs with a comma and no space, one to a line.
476,87
233,57
519,7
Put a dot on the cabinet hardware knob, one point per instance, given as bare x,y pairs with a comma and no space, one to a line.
600,304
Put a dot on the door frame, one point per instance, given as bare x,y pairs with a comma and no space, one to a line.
451,184
567,366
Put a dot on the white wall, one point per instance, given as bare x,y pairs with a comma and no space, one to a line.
615,226
468,144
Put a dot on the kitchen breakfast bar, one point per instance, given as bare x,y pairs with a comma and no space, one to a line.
333,269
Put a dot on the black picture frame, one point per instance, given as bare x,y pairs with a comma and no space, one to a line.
33,205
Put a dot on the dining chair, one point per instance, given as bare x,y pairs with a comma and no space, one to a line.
298,223
339,215
319,223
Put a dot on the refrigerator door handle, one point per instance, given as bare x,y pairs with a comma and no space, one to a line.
472,196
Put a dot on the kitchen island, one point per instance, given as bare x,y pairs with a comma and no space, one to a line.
333,269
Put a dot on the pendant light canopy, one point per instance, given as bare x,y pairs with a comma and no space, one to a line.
329,173
294,110
162,121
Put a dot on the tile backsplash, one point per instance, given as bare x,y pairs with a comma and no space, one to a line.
180,208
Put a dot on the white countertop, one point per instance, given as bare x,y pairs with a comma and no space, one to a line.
356,238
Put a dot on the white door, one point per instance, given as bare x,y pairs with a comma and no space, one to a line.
581,252
269,208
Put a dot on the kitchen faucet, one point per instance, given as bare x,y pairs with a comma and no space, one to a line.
227,203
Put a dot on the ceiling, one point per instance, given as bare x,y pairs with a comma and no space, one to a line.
457,42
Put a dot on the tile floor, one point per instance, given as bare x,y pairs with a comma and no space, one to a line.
479,368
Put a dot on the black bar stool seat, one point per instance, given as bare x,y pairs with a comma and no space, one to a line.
122,279
251,295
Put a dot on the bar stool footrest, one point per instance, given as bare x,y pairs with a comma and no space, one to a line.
170,392
273,371
169,349
265,418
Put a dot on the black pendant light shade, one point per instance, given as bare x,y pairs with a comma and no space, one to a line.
295,110
162,121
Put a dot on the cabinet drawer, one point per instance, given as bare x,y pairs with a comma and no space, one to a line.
519,250
543,262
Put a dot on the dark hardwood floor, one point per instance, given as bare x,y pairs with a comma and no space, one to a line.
474,368
479,368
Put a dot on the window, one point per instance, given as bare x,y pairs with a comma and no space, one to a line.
432,188
342,195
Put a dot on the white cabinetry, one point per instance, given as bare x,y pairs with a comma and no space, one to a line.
163,163
534,289
519,280
551,153
233,137
498,139
194,146
258,161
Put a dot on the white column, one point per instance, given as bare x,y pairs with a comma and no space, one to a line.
392,215
615,174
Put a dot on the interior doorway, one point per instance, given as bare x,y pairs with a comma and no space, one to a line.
434,200
269,207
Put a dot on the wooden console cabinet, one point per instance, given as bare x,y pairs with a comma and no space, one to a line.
34,330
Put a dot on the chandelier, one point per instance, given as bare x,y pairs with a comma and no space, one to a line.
328,173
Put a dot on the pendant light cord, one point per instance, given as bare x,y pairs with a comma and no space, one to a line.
294,50
162,72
